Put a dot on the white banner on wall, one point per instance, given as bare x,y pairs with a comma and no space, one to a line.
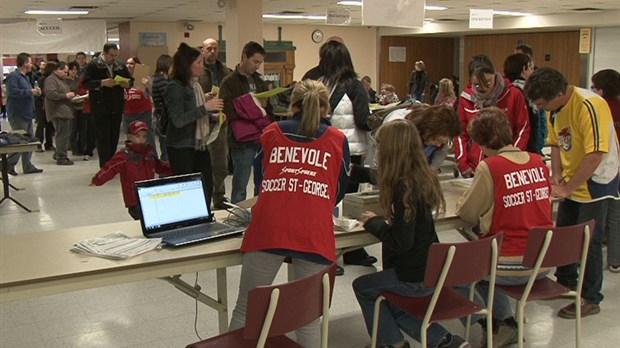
49,26
480,19
338,16
400,13
75,36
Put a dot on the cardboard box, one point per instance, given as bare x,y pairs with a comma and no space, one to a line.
354,204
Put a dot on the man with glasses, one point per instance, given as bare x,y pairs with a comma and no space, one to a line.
106,77
584,171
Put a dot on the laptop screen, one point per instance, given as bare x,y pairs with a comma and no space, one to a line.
172,202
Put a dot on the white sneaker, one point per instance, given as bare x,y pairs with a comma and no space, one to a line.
86,157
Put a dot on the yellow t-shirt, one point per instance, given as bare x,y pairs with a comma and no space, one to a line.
582,126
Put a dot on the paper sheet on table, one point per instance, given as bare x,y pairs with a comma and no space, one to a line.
270,93
116,246
120,79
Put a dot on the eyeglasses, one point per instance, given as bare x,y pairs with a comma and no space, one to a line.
485,84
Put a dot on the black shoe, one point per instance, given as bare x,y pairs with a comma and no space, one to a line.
339,271
64,162
40,148
12,172
368,261
34,171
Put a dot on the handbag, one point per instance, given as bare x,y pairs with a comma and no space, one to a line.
252,119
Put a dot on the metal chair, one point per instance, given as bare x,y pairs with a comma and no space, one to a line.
276,310
450,265
552,247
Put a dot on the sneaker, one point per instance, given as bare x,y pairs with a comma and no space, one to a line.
587,309
339,271
86,157
506,335
614,269
454,341
12,172
64,162
40,148
54,157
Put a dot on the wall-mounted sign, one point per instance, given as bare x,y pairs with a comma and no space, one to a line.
398,54
585,40
153,39
49,26
338,16
480,19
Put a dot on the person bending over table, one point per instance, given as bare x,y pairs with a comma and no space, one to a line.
409,191
510,193
305,166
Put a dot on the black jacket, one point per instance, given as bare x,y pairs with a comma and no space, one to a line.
105,99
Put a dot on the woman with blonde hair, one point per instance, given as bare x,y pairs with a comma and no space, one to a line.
305,167
409,192
446,94
418,82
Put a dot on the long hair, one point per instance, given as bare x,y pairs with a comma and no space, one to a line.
335,63
182,63
435,121
163,64
312,98
402,162
446,90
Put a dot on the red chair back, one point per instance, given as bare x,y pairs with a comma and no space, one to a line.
300,303
565,248
461,273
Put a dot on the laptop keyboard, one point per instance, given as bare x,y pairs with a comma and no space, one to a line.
198,232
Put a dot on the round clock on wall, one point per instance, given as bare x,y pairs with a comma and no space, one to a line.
317,36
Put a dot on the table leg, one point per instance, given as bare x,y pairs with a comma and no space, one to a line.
5,185
222,298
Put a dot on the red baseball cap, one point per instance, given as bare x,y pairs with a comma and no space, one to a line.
137,126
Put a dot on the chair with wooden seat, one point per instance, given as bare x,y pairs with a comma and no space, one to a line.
546,248
450,265
276,310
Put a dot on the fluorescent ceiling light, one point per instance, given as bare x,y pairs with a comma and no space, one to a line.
114,39
359,3
510,13
56,12
290,16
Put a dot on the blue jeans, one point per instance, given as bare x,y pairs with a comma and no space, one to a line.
572,213
20,123
393,319
242,161
502,308
613,233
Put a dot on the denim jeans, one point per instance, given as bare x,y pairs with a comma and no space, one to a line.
260,268
20,123
502,309
391,318
572,213
613,233
242,161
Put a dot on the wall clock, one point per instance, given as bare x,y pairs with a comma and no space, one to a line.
317,36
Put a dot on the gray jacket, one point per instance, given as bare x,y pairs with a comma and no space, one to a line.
57,105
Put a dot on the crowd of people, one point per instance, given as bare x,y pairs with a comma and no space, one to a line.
204,113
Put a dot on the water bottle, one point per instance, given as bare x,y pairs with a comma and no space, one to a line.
36,84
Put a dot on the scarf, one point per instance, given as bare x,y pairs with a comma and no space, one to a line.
483,100
202,124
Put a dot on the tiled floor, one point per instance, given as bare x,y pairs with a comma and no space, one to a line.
154,314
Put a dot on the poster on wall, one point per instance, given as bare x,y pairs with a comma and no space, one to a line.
153,39
398,54
51,26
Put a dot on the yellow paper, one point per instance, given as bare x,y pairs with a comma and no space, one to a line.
215,90
120,79
270,93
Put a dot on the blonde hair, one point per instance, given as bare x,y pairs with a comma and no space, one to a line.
402,162
312,98
446,89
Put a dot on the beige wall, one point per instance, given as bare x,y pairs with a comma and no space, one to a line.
361,41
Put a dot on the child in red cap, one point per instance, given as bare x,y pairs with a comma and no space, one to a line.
137,161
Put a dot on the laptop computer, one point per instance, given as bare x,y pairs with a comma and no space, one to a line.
176,209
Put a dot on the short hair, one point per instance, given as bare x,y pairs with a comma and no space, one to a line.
479,65
163,64
182,62
251,48
526,49
514,64
435,121
50,67
80,54
22,59
73,65
545,83
109,46
366,79
420,64
136,59
607,80
491,128
388,87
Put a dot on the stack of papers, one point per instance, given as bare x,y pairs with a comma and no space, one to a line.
116,246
